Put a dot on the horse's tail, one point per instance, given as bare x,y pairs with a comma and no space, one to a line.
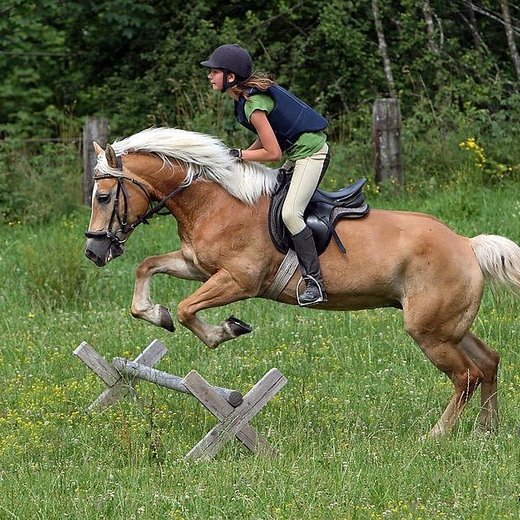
499,259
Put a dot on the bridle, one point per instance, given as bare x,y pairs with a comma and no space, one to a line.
121,216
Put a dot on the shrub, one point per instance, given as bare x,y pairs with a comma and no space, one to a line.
39,183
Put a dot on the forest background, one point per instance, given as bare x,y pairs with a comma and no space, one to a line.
454,65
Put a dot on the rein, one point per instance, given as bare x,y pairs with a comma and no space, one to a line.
122,219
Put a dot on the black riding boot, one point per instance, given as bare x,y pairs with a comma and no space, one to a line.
310,267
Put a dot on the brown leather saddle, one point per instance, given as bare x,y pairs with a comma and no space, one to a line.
322,213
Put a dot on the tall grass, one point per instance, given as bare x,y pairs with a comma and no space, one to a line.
347,425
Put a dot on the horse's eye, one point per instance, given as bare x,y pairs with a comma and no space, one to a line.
103,198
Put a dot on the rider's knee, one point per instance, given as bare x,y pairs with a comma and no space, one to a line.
293,221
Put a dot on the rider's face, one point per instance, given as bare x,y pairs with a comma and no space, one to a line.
216,78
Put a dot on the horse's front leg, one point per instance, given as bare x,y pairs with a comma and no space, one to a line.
173,264
219,290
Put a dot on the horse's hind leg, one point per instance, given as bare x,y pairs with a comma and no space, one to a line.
439,339
465,376
487,361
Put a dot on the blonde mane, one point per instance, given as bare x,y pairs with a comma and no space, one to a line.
206,157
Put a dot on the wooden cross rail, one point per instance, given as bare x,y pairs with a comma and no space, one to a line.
233,421
117,387
231,409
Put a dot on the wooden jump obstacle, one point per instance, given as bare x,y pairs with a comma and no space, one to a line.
232,410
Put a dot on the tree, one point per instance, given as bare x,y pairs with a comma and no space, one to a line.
504,4
430,27
31,58
383,49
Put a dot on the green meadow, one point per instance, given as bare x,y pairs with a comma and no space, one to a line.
347,426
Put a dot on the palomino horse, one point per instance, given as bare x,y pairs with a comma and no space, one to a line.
397,259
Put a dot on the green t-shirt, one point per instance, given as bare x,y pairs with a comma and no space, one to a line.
306,145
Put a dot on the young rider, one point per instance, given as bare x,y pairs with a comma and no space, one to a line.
284,124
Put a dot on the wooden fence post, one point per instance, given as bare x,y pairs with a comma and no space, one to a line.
95,129
386,131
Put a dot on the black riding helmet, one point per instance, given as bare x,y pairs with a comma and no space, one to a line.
231,58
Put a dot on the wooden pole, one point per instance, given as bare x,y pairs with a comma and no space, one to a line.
95,129
158,377
386,128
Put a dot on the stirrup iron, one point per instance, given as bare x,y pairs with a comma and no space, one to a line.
320,298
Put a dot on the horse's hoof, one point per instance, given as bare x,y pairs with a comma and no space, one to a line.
488,420
238,327
166,321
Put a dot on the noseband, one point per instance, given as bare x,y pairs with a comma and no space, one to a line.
122,216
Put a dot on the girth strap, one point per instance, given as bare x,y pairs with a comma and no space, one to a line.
283,275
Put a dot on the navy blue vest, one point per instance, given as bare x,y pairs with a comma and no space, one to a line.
289,118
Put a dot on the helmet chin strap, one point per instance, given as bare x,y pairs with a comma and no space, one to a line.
228,84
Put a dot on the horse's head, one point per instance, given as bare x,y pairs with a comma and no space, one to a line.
158,163
119,203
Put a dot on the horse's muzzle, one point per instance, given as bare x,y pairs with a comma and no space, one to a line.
102,249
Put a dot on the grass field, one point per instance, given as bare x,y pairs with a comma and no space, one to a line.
347,425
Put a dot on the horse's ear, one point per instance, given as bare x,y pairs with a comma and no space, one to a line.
111,156
97,148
